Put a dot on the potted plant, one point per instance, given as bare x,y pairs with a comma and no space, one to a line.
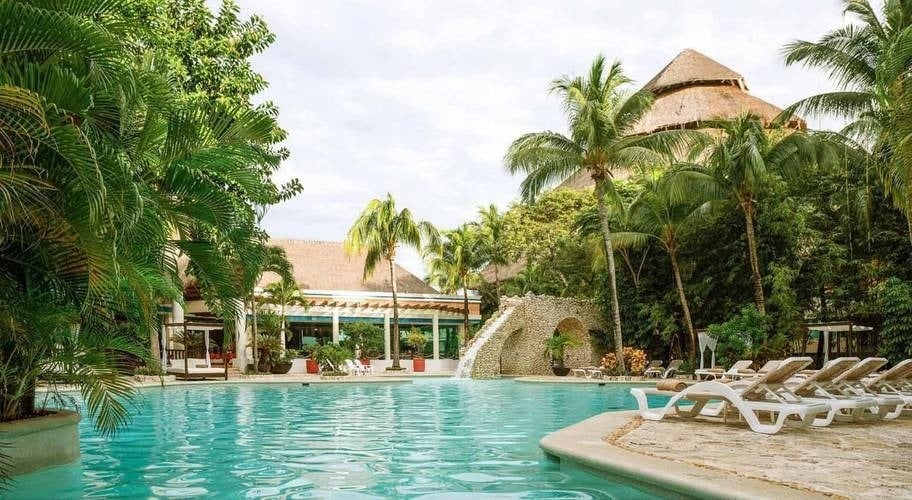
331,358
310,364
555,349
417,340
283,364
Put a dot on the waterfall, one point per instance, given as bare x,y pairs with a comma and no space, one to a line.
464,368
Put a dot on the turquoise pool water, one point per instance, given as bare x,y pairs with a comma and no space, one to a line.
432,439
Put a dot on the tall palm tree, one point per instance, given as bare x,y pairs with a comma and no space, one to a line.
282,294
603,141
492,224
457,262
660,213
378,233
868,60
743,159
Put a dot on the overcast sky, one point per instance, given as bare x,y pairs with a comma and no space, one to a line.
421,98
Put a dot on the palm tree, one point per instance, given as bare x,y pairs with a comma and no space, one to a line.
378,233
284,293
492,224
869,61
456,263
661,212
742,160
603,141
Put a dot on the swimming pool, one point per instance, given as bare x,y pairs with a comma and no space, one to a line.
434,438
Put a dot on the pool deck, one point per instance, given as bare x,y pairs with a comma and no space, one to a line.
711,459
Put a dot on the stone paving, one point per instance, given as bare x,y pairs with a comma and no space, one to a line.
856,460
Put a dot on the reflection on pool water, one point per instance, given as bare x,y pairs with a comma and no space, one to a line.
431,439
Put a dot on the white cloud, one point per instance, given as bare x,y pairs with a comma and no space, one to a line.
422,98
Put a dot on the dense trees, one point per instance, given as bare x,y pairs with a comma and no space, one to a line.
117,186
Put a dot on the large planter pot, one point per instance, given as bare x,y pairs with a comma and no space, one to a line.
418,364
365,361
560,371
35,443
281,368
312,366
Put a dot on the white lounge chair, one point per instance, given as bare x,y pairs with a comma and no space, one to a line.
654,369
191,368
814,388
365,369
893,382
673,368
352,369
737,370
851,383
749,401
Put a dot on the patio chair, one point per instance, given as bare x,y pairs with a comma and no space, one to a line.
654,369
813,388
578,372
673,368
351,368
738,369
365,369
851,383
893,381
749,401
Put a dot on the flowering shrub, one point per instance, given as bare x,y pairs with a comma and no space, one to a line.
634,358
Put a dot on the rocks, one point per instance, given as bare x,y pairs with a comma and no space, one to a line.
517,348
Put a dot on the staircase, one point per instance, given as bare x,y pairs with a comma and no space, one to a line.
470,352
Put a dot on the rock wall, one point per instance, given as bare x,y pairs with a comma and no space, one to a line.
517,347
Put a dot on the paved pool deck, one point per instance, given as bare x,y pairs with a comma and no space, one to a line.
712,459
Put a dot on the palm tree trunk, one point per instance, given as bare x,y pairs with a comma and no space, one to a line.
282,335
672,253
253,311
909,226
465,306
497,281
609,256
748,209
392,265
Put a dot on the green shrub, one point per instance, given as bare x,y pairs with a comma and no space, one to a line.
364,338
895,300
416,340
741,337
333,353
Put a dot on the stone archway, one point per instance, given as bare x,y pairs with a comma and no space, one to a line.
514,338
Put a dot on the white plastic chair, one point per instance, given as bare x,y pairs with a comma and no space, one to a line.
365,369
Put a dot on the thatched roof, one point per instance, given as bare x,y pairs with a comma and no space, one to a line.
324,265
691,91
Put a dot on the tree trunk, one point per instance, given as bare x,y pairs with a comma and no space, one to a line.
909,226
155,346
497,282
282,334
748,209
672,253
465,306
253,317
609,256
392,265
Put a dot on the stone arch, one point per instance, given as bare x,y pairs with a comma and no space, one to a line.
516,344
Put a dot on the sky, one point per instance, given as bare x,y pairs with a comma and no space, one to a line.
421,98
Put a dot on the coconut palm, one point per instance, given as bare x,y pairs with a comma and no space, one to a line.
492,223
603,141
869,61
742,160
662,210
379,232
457,262
282,294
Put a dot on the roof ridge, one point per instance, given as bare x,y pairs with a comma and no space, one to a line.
691,67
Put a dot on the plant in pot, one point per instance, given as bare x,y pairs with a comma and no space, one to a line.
555,350
283,364
417,341
331,358
365,339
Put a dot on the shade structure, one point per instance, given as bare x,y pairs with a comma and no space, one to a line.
826,329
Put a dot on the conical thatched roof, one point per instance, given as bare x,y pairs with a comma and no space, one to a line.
691,91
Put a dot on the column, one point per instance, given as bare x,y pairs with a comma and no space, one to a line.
240,339
177,316
435,325
335,327
386,337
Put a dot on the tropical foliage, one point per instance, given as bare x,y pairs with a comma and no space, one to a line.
602,116
117,188
455,263
378,233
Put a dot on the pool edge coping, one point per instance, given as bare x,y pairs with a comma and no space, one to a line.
584,444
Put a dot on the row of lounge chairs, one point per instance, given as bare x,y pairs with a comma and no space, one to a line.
350,366
844,389
653,370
